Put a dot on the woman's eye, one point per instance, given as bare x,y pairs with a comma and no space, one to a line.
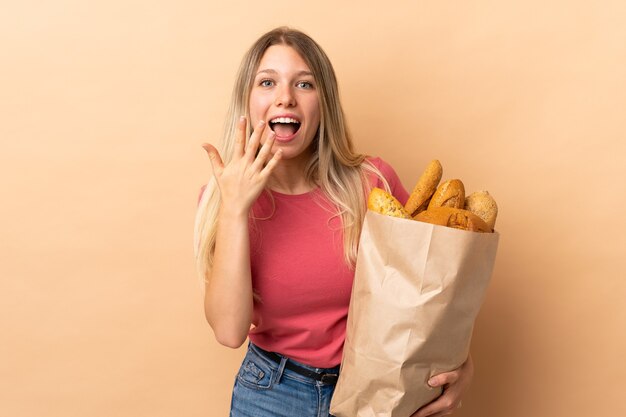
266,83
305,84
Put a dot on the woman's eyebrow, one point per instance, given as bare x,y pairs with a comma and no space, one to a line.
274,72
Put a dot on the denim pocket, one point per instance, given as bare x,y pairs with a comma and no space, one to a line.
254,373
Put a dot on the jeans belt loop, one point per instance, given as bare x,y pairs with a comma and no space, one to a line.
281,369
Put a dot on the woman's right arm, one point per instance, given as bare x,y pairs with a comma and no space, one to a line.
228,297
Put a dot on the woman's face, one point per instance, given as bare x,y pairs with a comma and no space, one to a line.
284,95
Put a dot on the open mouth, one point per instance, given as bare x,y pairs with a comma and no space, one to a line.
284,126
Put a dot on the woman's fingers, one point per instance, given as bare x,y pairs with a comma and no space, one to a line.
271,164
443,405
264,154
240,138
214,157
255,140
444,378
453,383
245,175
442,414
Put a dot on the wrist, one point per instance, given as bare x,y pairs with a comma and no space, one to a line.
234,211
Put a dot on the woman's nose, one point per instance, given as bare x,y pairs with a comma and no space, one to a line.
285,97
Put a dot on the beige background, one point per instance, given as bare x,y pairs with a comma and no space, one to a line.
104,105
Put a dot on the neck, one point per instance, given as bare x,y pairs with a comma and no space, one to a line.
289,178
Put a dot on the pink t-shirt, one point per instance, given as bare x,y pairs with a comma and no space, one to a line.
300,276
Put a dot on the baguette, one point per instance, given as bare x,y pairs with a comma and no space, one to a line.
424,189
449,194
454,217
382,202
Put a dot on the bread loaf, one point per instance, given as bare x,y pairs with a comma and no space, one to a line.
453,217
444,205
424,189
382,202
449,194
482,204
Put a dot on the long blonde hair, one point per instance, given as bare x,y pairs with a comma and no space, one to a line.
341,173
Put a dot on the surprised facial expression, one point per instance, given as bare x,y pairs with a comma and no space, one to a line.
284,94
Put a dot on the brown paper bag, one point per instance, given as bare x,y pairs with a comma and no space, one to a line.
417,290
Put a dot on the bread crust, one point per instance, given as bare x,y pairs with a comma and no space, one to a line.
449,194
482,204
454,217
382,202
424,188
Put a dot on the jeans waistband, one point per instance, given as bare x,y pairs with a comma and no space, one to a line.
324,376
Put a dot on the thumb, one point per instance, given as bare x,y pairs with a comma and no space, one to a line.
443,379
434,382
214,157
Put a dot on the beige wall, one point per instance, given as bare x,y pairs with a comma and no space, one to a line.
104,106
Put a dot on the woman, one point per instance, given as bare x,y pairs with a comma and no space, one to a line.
277,231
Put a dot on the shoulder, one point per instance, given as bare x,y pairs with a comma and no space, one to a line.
389,174
383,166
385,169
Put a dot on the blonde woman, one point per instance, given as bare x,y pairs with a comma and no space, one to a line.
277,231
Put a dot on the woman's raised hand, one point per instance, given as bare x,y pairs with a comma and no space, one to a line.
244,177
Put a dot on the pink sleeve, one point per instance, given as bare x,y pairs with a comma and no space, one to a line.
397,189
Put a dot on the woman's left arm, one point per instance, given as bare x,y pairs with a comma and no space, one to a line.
454,384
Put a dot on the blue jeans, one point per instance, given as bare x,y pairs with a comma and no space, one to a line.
264,388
